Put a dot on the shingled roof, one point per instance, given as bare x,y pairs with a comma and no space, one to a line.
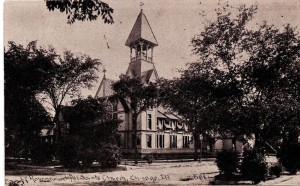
105,88
146,75
141,30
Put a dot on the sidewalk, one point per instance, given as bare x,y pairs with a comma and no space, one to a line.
284,180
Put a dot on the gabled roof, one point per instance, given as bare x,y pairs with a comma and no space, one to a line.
131,72
166,113
105,88
141,30
160,114
47,130
146,75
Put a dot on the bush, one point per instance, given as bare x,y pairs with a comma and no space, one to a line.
87,157
69,151
109,156
290,157
227,162
149,159
276,170
75,150
42,153
254,166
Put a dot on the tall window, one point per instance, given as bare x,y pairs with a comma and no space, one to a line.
149,121
127,140
173,124
173,141
167,122
160,142
149,140
160,123
186,141
167,125
115,116
115,105
133,140
134,126
118,139
138,140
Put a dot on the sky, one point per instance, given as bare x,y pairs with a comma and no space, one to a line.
174,23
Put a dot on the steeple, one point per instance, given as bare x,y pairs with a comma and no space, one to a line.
104,89
141,31
141,42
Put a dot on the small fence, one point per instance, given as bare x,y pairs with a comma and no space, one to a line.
147,158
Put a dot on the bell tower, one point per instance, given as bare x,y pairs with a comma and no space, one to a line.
141,42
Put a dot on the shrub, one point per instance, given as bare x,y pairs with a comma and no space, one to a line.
75,149
109,155
42,153
87,157
276,170
254,166
69,151
227,162
149,159
290,157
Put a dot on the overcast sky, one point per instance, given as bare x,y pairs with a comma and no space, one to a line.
174,23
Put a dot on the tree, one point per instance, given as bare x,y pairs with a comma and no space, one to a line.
94,132
83,113
25,66
256,67
91,119
82,10
212,88
272,71
24,78
221,48
67,77
33,73
135,97
191,97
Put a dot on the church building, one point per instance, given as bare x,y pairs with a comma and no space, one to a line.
160,133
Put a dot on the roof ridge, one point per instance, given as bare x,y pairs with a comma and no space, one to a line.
150,27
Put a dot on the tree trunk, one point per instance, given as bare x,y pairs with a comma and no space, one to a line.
26,149
58,129
200,150
258,144
134,126
234,142
57,132
212,142
58,126
196,140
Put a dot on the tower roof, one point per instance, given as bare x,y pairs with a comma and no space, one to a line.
141,30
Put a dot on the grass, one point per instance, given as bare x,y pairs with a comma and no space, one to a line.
31,172
89,170
15,169
27,169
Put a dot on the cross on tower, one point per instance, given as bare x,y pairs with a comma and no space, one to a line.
141,5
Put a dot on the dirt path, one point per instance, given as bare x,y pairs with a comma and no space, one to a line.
284,180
